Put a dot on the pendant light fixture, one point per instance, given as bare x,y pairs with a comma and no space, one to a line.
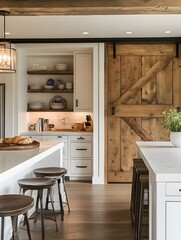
7,52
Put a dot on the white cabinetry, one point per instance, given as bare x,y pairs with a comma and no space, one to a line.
80,156
65,148
77,152
173,211
83,79
173,220
163,162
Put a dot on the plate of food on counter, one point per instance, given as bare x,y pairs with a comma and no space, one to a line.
18,143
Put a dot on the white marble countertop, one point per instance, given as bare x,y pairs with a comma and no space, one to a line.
162,159
13,160
56,133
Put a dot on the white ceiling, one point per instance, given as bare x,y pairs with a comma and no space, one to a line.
98,26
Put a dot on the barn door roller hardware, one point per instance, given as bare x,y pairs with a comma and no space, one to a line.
177,50
114,49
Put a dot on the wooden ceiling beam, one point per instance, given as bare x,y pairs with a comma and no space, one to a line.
90,7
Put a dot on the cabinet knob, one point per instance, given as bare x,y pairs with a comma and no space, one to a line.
81,149
59,136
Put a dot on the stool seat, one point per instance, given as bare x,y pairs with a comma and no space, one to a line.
36,183
50,171
13,205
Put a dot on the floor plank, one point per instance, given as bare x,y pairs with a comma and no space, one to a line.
98,212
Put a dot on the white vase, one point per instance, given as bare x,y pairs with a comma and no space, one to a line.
175,138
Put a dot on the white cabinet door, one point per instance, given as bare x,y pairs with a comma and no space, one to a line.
65,148
173,220
83,78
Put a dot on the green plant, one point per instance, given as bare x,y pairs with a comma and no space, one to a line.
172,120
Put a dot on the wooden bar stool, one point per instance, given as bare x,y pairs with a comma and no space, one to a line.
39,184
143,206
139,168
13,205
58,174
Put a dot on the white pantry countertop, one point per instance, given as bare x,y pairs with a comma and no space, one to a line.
12,161
162,159
56,133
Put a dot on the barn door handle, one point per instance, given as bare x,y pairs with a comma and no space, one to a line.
77,103
113,110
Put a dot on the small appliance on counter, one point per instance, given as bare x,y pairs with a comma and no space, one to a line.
42,124
89,124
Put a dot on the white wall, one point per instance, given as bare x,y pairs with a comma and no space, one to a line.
18,123
10,102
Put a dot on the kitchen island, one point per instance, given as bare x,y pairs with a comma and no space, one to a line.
163,161
20,164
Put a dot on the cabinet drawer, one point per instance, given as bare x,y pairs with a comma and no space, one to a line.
81,166
173,189
80,150
81,138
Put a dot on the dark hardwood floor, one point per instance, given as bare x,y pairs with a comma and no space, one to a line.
98,212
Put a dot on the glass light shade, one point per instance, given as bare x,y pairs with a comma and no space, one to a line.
7,57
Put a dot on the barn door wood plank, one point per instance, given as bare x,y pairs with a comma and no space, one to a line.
138,129
141,110
129,65
149,95
177,82
161,63
164,95
113,147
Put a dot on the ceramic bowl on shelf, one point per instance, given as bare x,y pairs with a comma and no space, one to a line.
57,106
61,86
48,86
61,67
35,86
58,102
36,106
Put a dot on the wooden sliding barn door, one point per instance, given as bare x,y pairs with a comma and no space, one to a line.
141,82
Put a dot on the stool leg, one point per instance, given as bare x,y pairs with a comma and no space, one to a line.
51,201
40,193
60,199
133,190
67,201
141,208
28,225
14,221
2,228
36,206
47,200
